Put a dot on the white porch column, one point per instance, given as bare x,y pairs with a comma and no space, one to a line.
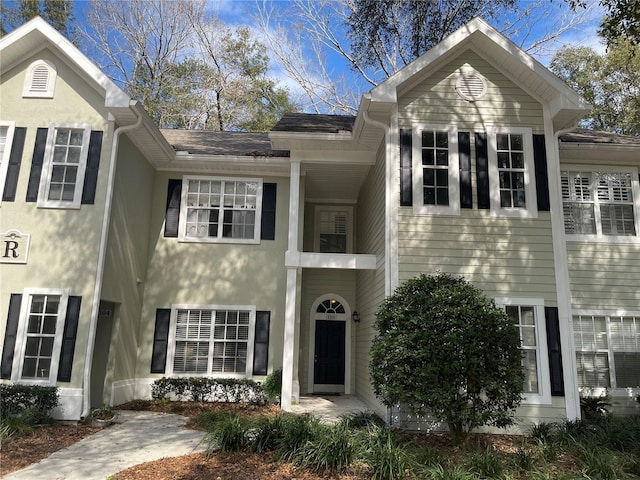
288,350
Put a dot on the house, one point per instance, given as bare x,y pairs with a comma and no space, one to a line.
130,253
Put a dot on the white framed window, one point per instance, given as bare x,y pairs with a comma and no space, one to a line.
220,209
511,172
39,336
40,80
64,166
437,172
601,204
607,350
6,139
528,315
211,340
334,229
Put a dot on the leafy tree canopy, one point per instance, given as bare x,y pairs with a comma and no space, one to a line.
388,31
59,13
622,19
444,349
609,81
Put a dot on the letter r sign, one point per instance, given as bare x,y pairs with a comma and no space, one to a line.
14,247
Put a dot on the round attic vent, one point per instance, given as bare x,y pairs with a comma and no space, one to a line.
471,86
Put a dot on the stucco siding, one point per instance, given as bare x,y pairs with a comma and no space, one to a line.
214,273
604,276
435,100
125,273
64,244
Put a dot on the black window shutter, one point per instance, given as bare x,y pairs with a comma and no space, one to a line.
464,158
542,178
10,336
555,351
482,170
406,185
13,168
160,340
91,173
172,213
36,164
268,221
261,343
69,339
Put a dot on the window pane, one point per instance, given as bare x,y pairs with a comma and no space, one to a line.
627,369
593,370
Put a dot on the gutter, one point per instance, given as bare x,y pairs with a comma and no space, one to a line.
95,303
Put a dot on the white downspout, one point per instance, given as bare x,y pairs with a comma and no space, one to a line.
388,201
95,304
563,287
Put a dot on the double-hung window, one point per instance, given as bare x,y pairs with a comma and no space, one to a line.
39,337
221,209
600,203
6,138
436,164
64,166
211,340
527,315
511,171
333,229
607,349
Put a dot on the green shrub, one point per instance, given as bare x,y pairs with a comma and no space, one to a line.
444,349
17,398
438,472
203,389
272,386
362,419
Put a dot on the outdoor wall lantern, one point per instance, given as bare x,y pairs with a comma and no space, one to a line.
355,316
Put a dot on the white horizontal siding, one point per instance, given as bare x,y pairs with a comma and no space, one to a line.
436,101
604,276
502,256
370,284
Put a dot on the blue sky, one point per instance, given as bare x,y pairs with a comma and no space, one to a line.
545,17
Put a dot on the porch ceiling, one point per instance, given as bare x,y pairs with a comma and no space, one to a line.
333,182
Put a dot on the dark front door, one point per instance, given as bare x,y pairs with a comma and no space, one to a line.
329,354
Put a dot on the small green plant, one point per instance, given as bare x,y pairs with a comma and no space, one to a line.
486,463
227,435
387,458
543,432
439,472
330,448
598,462
105,413
524,459
593,407
362,419
272,386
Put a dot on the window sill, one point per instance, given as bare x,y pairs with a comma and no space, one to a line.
450,211
59,205
628,239
245,241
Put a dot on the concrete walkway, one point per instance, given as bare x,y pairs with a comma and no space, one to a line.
138,437
329,408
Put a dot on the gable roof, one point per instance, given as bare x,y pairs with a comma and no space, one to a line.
584,135
37,35
566,106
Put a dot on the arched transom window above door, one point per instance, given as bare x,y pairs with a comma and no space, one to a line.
330,305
